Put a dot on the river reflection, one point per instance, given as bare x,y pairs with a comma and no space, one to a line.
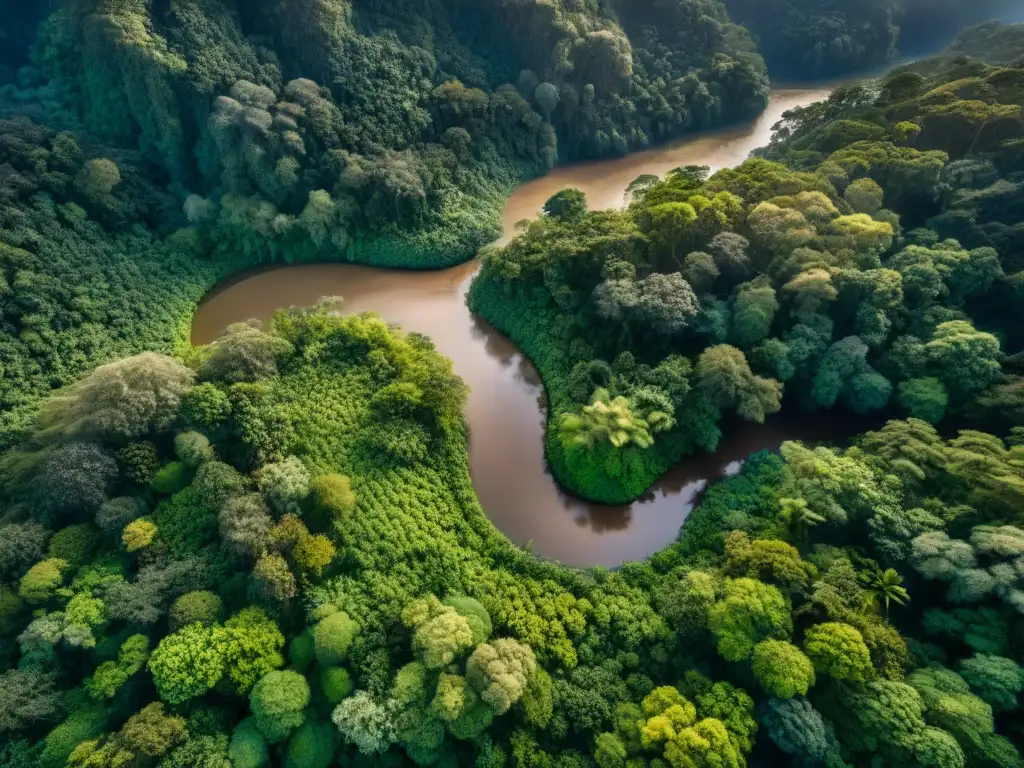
506,405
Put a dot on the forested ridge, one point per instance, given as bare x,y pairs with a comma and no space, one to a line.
801,38
268,551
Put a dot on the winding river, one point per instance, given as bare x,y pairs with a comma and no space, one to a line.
506,404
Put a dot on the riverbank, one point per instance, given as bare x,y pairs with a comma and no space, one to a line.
506,407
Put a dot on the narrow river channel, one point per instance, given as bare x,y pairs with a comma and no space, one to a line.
505,409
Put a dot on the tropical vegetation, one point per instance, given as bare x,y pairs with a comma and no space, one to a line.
267,551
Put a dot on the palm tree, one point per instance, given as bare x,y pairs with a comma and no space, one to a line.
607,419
799,517
885,586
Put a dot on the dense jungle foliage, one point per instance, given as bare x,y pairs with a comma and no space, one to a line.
869,260
148,149
271,554
383,132
268,551
249,133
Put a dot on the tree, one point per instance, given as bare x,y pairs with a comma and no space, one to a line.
333,636
609,751
798,729
669,232
798,517
110,676
187,663
336,684
150,733
202,751
838,650
777,231
440,634
748,612
285,485
730,252
122,401
704,745
365,723
474,613
700,271
965,359
244,354
28,697
843,360
724,375
245,526
768,560
251,644
99,177
924,399
884,586
864,196
997,680
605,420
138,535
859,233
312,554
140,461
812,294
500,671
331,501
666,303
568,204
39,583
248,748
312,746
272,579
782,669
75,479
147,735
193,448
21,545
277,701
754,306
115,514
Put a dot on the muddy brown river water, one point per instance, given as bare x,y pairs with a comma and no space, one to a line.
505,408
